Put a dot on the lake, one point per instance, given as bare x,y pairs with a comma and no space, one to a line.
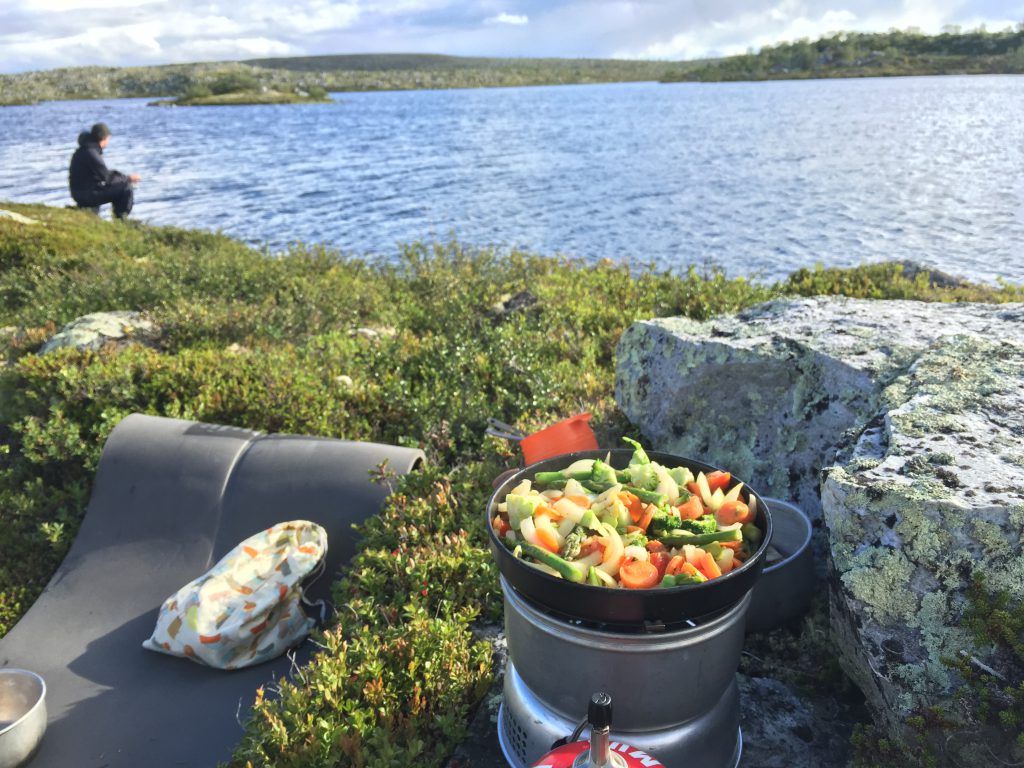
759,178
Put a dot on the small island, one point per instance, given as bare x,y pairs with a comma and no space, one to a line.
241,89
241,98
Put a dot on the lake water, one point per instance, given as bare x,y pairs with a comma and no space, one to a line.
760,178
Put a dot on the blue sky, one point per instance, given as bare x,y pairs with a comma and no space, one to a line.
42,34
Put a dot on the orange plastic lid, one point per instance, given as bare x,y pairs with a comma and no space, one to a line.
568,435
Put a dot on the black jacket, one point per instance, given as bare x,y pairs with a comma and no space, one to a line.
88,171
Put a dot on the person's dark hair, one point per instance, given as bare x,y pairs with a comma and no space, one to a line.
100,131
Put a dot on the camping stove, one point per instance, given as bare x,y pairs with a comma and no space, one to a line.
674,687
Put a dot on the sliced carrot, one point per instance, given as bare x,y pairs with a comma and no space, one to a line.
732,512
580,501
693,488
648,516
735,546
689,570
708,566
691,509
638,574
543,510
718,480
547,538
633,529
655,546
749,517
676,565
633,504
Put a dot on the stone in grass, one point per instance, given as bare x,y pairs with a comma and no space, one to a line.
94,330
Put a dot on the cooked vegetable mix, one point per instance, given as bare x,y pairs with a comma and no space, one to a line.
637,528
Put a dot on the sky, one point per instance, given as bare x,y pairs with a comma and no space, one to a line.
44,34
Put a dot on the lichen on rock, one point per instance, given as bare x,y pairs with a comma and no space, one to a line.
910,415
94,330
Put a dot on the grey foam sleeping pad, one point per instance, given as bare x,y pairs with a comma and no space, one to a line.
170,499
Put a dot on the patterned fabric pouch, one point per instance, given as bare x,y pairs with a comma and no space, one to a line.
247,608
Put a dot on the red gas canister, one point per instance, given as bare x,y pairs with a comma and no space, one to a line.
600,751
621,755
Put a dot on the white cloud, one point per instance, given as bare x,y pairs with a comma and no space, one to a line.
516,20
786,20
65,6
38,34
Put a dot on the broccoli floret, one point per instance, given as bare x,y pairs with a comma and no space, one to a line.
643,476
662,522
639,454
571,546
705,524
602,474
637,538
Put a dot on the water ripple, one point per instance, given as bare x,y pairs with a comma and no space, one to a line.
757,177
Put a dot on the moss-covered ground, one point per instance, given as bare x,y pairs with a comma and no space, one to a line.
417,348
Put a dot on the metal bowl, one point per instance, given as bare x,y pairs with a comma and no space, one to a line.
22,715
627,609
786,587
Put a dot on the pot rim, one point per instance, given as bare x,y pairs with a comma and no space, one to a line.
669,460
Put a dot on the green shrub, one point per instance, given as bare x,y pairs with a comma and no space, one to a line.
387,697
197,91
234,82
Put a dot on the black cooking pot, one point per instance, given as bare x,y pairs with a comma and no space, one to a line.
626,608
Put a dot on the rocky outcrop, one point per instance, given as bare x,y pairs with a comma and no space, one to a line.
99,328
930,493
771,391
900,424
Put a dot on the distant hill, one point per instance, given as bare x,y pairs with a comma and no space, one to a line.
856,54
350,72
846,54
383,62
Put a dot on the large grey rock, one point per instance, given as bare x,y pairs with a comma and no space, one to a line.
912,417
769,392
94,330
931,492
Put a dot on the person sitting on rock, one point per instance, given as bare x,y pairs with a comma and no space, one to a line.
92,183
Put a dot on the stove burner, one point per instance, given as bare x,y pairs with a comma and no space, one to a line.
626,627
556,663
527,729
